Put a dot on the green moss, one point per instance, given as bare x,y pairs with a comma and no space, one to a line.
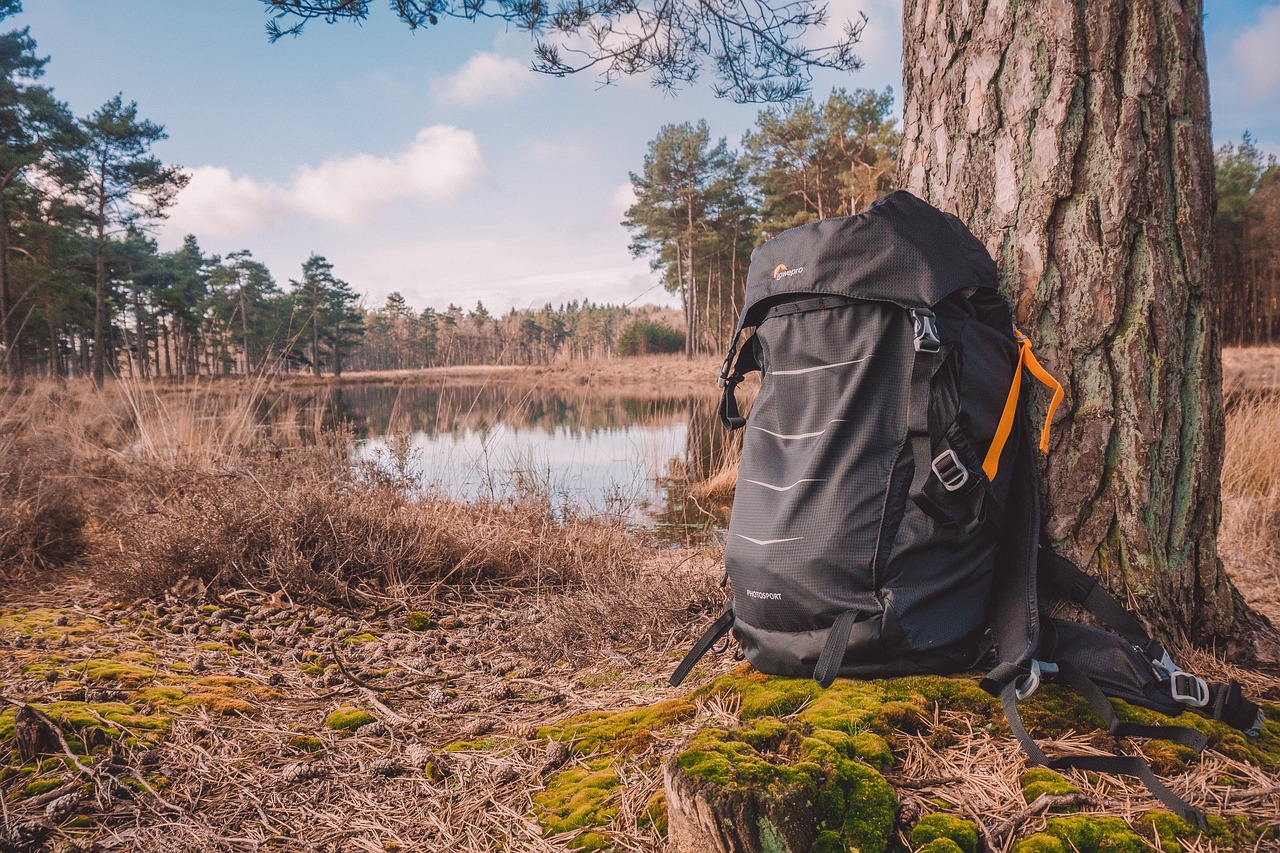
941,845
578,799
589,841
619,732
84,715
348,719
964,833
206,609
123,672
360,639
796,774
307,743
41,622
1054,709
1095,834
1041,842
1039,781
37,787
6,724
828,842
1237,831
314,668
241,640
417,621
1164,829
222,694
655,813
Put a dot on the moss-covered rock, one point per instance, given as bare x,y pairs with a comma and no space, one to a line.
963,833
307,743
1039,781
1095,834
348,719
1041,842
941,845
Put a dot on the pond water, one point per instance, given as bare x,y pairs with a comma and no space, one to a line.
632,457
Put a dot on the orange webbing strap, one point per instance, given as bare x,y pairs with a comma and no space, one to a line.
1027,359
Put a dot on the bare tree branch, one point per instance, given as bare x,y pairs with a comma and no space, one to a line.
756,48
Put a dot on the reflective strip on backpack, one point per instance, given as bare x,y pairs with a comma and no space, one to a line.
1027,359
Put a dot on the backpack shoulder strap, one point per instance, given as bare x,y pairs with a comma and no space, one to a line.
1015,608
1223,701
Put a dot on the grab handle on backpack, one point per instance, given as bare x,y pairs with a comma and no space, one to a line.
731,373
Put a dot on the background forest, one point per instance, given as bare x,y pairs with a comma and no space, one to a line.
85,291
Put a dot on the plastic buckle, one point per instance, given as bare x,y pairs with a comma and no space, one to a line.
1256,729
1029,683
926,331
1183,686
955,476
1188,689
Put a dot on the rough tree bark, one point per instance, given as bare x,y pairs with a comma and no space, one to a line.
1073,138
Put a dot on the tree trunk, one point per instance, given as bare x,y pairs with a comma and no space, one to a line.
11,337
1074,140
101,334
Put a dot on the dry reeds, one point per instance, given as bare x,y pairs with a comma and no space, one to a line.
1251,501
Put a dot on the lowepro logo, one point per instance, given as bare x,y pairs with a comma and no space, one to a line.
765,596
781,271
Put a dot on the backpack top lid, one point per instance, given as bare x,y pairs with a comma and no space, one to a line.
900,250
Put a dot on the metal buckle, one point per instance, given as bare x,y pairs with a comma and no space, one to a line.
1183,686
1188,689
926,331
956,476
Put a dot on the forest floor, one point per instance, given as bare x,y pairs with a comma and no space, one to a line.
226,642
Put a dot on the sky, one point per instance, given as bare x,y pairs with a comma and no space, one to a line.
434,163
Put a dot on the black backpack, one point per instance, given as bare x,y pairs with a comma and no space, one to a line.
886,520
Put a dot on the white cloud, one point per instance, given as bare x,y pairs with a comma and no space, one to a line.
485,76
621,200
1254,53
439,164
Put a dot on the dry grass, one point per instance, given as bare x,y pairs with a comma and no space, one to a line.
1249,538
535,616
650,376
981,773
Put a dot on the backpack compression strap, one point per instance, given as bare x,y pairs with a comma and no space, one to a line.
1222,701
709,638
1124,765
947,484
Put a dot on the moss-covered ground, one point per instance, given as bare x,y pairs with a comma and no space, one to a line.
832,749
123,684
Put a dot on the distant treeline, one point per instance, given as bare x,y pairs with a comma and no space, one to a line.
1247,238
397,337
84,290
